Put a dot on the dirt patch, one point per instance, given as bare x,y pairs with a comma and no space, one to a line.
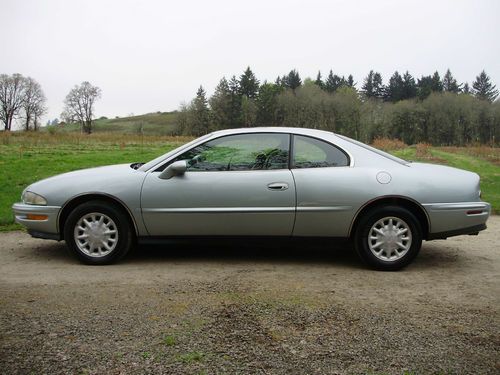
240,308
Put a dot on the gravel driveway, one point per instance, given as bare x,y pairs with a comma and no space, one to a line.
250,308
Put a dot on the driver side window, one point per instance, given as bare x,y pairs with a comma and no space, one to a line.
241,152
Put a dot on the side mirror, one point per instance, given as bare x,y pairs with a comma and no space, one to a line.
175,169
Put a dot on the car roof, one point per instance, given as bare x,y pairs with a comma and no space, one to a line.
274,129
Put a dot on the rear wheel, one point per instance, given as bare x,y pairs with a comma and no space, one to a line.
388,238
98,232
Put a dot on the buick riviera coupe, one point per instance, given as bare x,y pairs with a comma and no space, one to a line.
279,182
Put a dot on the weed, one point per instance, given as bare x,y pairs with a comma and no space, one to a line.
191,357
169,340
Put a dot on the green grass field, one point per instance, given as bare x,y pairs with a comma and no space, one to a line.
28,157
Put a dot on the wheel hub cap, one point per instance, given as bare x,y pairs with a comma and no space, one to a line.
389,239
96,234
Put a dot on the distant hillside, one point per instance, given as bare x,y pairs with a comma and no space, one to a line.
159,123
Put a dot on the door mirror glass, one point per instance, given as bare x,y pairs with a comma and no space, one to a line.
177,168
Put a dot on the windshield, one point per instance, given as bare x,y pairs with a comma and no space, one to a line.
373,149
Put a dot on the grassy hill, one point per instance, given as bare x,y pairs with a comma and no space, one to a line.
159,123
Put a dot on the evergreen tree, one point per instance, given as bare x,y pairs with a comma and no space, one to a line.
235,113
220,105
319,81
424,87
450,83
409,86
378,86
394,90
200,121
367,87
372,85
292,80
483,89
349,82
437,85
428,84
249,84
466,89
333,82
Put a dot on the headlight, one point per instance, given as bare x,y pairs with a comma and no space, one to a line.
32,198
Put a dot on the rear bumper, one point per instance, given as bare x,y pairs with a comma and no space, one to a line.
457,232
454,219
48,227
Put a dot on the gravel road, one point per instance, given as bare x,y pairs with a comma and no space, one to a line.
210,308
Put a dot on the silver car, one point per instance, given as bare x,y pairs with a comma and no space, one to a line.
288,182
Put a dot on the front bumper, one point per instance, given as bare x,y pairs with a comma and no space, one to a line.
47,226
453,219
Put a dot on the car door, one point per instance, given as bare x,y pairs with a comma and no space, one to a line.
325,188
234,185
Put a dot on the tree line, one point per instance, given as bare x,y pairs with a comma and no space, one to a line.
429,109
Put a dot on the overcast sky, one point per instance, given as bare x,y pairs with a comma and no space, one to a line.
149,56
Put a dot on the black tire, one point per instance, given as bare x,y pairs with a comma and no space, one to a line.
118,223
365,226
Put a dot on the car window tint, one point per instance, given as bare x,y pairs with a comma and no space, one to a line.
312,153
240,152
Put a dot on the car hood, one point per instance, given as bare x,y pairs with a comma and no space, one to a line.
116,180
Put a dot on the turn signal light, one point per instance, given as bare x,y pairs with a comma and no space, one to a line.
36,217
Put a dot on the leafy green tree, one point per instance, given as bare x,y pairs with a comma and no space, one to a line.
267,104
483,89
450,83
347,110
182,125
249,84
308,107
249,112
406,122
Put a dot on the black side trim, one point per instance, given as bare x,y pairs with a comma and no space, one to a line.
157,240
45,236
457,232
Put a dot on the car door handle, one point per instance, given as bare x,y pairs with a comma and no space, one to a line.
277,186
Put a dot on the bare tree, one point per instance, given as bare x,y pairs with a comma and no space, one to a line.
33,103
79,105
12,90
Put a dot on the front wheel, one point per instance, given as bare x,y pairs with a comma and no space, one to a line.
388,238
98,233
